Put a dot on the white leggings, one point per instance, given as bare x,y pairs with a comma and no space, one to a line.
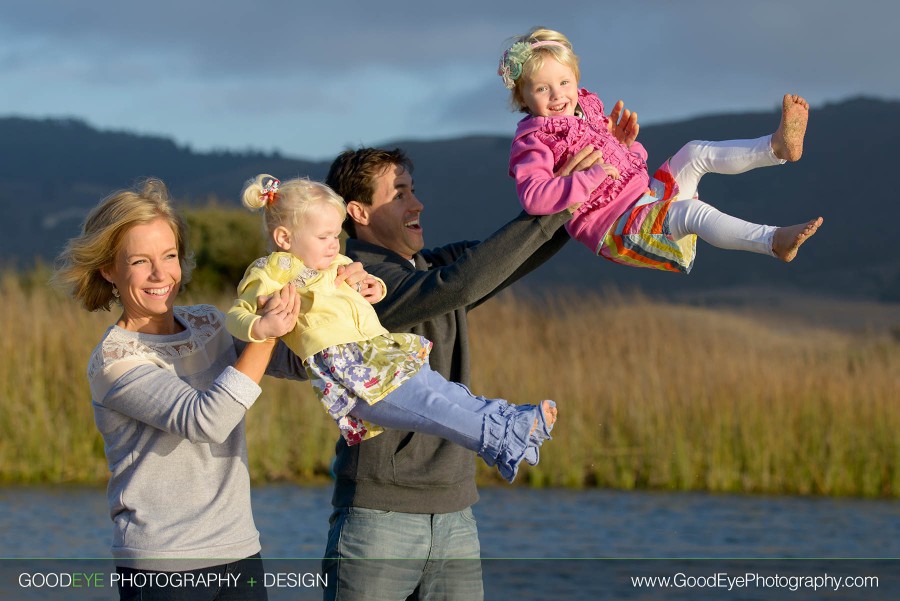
693,216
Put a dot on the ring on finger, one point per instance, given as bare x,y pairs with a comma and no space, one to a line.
359,287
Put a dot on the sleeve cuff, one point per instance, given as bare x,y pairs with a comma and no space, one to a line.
551,223
244,390
250,337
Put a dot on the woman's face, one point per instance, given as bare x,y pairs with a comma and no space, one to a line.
147,272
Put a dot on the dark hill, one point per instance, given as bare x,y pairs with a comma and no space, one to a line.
52,171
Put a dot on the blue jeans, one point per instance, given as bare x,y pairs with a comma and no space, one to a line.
377,555
499,432
246,571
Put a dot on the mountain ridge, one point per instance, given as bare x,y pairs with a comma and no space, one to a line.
53,170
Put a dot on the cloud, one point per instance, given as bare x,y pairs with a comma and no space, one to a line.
266,36
214,73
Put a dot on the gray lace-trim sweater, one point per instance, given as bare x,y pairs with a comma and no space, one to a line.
417,473
171,413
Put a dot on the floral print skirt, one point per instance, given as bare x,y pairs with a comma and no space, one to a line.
367,371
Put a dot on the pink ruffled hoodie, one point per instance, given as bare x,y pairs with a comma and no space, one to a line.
544,144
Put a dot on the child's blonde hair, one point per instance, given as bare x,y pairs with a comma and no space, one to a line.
522,59
287,203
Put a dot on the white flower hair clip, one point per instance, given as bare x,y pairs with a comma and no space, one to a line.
514,59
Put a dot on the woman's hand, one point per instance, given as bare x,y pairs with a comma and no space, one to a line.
278,311
623,124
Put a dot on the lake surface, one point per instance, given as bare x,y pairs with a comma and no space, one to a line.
536,544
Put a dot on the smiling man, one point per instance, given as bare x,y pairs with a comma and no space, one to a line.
405,495
390,218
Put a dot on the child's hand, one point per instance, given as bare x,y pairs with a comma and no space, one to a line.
611,170
623,124
586,158
278,312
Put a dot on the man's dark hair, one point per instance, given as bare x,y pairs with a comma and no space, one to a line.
352,175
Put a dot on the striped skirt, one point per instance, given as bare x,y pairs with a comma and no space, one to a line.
641,236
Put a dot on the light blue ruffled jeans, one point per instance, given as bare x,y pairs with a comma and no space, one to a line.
499,432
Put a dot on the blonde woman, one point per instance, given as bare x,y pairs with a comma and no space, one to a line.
170,388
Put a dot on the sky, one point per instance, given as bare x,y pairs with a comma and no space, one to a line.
308,79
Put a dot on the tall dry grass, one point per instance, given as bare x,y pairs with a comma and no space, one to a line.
650,396
672,397
47,431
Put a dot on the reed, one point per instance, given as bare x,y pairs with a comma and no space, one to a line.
672,397
651,395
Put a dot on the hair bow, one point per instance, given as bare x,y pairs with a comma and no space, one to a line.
269,190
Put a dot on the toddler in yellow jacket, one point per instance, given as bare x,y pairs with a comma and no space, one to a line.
363,374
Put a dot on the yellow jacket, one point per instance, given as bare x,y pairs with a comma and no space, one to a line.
329,316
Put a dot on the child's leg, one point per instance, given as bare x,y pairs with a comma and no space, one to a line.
697,158
501,433
692,216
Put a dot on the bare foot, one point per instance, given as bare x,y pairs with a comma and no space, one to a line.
549,410
787,141
787,240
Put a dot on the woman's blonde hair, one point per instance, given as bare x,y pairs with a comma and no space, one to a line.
562,52
79,265
287,203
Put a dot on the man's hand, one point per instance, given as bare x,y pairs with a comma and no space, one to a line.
586,158
371,290
623,124
353,274
358,279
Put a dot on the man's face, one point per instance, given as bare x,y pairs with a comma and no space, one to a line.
394,214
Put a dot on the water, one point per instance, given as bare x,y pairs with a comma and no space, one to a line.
537,544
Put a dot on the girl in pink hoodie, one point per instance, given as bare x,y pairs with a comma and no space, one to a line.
622,213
